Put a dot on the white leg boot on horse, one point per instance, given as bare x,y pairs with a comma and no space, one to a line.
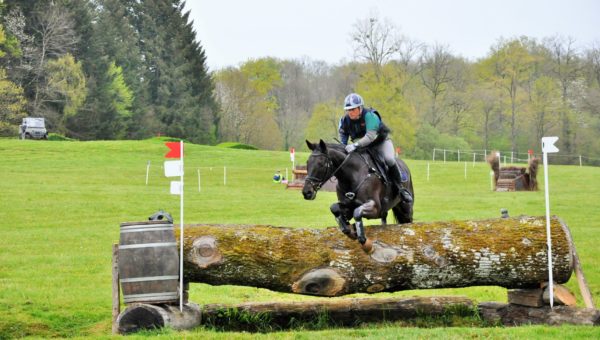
367,209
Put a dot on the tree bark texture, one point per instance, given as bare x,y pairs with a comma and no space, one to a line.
515,315
139,316
507,252
342,311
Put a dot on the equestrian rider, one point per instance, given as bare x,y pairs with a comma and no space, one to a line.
364,127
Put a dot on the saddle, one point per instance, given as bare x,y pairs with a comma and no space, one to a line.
381,168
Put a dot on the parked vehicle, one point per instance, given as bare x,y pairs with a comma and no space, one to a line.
33,128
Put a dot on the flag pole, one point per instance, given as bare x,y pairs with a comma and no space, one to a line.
548,147
181,233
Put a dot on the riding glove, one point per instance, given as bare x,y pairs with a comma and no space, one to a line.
351,147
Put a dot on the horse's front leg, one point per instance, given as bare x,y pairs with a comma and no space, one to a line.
342,220
370,210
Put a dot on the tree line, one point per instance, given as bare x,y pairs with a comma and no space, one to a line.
522,90
105,69
116,69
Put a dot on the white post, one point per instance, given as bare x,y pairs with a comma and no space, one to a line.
444,156
473,159
199,188
224,175
512,154
548,147
427,171
433,158
465,170
181,233
580,161
148,170
458,156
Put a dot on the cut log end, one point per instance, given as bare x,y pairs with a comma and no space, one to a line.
142,316
322,281
205,252
138,317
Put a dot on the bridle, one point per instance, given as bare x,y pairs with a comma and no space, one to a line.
315,182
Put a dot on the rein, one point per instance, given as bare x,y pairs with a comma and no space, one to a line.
316,182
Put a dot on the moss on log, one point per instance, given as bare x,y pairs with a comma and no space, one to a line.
507,252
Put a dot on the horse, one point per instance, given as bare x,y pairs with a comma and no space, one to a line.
361,190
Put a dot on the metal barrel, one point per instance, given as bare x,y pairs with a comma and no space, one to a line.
148,262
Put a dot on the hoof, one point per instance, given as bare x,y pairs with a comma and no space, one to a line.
368,246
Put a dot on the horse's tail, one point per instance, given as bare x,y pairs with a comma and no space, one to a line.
403,213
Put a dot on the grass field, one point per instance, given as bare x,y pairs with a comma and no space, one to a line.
61,204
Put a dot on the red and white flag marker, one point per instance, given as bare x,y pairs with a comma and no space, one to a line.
173,169
548,147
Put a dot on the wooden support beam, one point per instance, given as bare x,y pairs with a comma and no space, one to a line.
339,311
515,315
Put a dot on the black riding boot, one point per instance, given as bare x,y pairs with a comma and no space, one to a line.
396,177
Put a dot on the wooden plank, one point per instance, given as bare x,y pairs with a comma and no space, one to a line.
526,297
583,286
116,293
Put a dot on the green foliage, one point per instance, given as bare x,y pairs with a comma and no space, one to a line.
119,91
324,123
58,137
9,45
234,145
66,82
384,94
430,138
232,319
12,106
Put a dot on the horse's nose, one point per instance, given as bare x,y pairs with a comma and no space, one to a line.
308,194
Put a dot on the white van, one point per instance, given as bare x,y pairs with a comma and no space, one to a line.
33,128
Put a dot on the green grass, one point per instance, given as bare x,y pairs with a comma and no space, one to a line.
61,204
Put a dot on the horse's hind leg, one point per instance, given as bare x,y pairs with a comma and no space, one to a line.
342,221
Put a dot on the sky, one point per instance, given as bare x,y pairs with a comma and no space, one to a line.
232,32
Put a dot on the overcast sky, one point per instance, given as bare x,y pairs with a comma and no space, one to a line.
232,32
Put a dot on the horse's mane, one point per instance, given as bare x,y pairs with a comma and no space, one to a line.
337,147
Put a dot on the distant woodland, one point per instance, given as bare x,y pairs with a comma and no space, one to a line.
129,69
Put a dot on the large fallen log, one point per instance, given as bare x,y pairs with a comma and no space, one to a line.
507,252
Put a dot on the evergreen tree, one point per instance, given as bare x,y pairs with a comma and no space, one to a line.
179,90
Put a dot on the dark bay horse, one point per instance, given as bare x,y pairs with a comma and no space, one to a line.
361,190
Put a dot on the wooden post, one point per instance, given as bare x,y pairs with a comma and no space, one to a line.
583,286
116,293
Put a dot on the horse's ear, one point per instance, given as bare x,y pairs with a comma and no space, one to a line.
323,146
310,145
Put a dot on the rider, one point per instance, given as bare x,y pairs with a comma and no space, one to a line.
364,127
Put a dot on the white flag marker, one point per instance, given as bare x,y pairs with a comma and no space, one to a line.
173,168
548,147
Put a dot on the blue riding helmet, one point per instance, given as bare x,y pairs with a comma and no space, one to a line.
353,100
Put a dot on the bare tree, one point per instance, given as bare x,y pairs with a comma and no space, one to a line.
566,67
375,41
435,76
54,37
